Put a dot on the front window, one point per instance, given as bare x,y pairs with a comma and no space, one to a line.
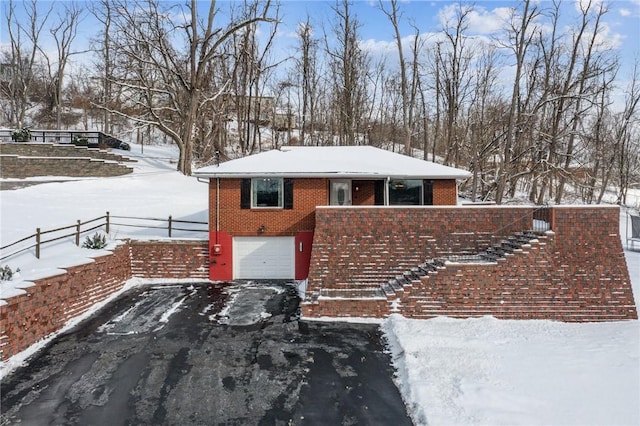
266,192
405,192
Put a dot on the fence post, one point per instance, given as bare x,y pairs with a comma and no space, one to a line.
78,233
169,226
107,224
37,243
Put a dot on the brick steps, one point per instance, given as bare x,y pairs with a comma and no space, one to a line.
423,271
352,293
574,271
413,275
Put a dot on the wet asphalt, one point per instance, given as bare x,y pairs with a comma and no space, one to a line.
207,354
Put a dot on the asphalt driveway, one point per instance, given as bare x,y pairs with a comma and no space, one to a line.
205,354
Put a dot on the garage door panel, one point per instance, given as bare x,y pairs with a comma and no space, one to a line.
264,257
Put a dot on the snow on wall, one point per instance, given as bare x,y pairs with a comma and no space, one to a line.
46,306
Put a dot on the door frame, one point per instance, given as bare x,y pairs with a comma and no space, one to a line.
349,195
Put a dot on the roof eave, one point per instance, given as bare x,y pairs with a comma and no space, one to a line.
330,175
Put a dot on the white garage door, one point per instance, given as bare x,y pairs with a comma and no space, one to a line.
263,257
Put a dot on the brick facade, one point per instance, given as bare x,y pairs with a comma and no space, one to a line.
52,301
576,272
307,194
230,220
445,192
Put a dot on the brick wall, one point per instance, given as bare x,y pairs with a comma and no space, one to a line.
22,160
23,167
445,193
26,149
169,259
52,301
344,307
383,241
576,273
307,194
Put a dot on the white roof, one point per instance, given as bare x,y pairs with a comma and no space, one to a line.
333,162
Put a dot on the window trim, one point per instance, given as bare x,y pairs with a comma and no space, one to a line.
420,193
281,196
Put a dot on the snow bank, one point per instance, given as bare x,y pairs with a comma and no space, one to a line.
487,371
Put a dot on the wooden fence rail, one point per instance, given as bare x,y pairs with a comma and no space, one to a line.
106,222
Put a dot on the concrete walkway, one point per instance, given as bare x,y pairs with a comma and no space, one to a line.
232,354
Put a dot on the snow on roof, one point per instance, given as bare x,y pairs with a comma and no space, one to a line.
331,161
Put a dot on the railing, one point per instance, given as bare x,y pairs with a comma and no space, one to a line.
541,219
41,237
94,138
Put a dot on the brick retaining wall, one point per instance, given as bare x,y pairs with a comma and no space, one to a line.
575,273
22,160
27,149
169,259
24,167
52,301
375,240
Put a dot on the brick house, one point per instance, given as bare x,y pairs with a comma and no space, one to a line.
262,207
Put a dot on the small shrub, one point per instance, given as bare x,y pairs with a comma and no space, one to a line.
80,141
6,273
96,241
22,135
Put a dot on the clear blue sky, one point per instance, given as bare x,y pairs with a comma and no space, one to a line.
621,24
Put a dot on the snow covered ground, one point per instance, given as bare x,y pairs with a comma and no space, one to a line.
154,190
476,371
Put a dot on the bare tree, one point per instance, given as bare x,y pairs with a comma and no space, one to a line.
520,34
627,142
594,65
165,58
435,68
454,60
407,93
103,11
251,68
22,57
63,33
307,68
349,64
486,121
